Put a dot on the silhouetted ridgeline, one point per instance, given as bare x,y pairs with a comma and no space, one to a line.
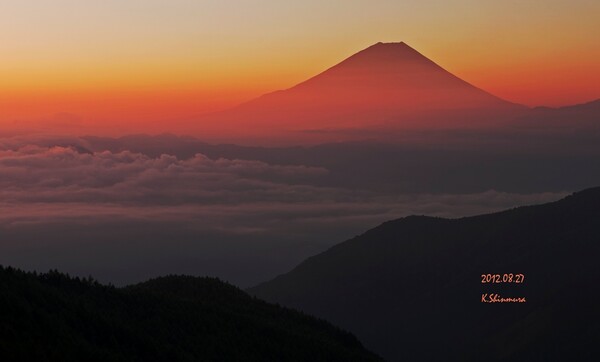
53,317
411,289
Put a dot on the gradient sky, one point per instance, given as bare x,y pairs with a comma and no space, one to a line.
113,61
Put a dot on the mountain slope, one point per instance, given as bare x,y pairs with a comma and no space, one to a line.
52,317
411,288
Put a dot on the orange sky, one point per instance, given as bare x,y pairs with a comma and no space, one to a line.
131,66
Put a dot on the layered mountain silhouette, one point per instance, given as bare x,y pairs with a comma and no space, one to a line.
384,85
411,289
53,317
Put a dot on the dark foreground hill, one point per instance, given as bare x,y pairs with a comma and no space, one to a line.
52,317
411,289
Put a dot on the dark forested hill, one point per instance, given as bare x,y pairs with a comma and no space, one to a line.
411,289
52,317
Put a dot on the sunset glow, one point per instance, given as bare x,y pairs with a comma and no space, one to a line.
130,66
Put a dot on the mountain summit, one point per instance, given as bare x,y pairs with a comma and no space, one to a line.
393,77
379,62
384,85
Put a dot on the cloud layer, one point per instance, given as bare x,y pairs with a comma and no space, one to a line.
40,181
59,190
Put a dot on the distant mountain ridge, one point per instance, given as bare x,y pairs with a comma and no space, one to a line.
410,289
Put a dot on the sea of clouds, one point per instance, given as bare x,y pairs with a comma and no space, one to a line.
219,214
